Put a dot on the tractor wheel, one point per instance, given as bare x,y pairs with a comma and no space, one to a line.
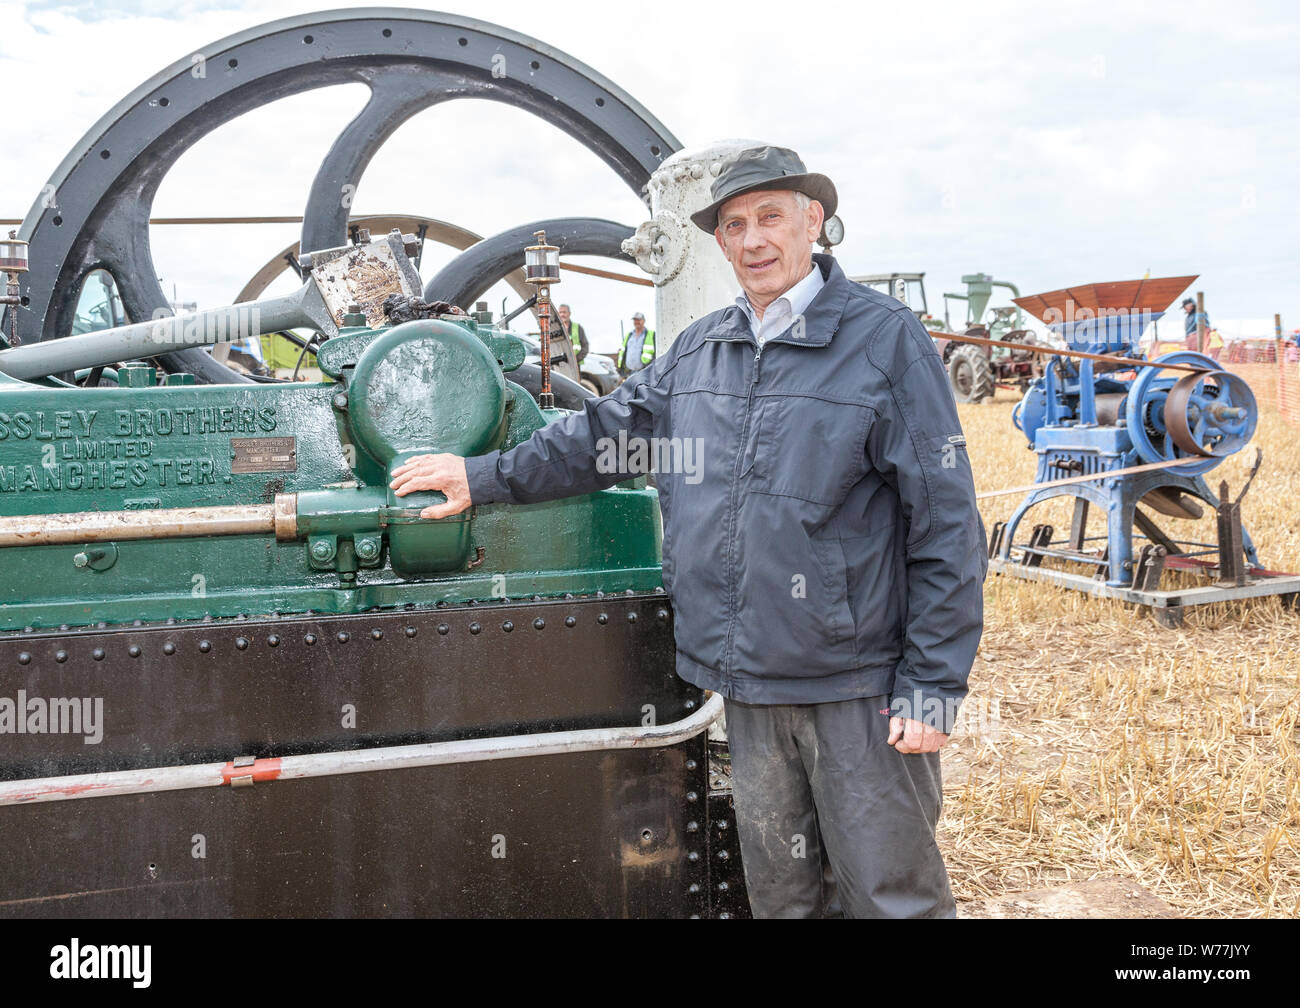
970,374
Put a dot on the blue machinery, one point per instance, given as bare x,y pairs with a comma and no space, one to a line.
1087,417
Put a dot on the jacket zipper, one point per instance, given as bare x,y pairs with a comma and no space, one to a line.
728,663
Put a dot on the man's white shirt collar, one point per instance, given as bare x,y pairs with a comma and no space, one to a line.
783,310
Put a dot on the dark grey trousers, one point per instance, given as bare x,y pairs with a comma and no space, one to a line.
832,819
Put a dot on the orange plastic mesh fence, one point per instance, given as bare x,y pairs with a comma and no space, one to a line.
1256,361
1288,384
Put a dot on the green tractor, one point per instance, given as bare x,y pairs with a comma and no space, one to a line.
976,371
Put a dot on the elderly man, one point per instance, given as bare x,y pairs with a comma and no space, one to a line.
825,561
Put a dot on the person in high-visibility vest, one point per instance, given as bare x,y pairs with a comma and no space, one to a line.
641,341
577,335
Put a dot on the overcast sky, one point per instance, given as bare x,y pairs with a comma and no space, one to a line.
1047,144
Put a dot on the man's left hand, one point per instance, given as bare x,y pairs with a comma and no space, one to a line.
908,736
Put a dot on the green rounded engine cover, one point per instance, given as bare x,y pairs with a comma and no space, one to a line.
427,386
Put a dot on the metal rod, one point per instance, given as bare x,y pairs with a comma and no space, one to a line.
1086,478
206,220
1200,322
304,307
243,772
1082,354
507,319
606,274
279,518
1046,551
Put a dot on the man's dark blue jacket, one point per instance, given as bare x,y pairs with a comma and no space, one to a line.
826,545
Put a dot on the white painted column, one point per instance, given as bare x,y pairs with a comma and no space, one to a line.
691,276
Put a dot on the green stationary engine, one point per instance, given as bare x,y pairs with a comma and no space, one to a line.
238,676
179,500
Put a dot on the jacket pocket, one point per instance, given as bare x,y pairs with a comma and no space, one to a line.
792,617
877,586
808,448
839,616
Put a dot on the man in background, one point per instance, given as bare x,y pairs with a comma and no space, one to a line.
638,347
576,334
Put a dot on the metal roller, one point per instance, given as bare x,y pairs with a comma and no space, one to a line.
1212,414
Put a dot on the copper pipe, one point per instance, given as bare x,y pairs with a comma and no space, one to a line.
546,399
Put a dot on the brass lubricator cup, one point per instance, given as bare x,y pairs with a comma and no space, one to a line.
542,268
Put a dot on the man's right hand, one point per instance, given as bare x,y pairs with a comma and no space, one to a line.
444,473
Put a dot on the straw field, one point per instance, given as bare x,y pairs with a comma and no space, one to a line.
1096,743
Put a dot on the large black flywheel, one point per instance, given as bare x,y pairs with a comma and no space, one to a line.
94,212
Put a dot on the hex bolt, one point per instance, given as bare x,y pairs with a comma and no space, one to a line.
367,549
321,550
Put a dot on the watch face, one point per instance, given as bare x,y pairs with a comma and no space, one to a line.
833,230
